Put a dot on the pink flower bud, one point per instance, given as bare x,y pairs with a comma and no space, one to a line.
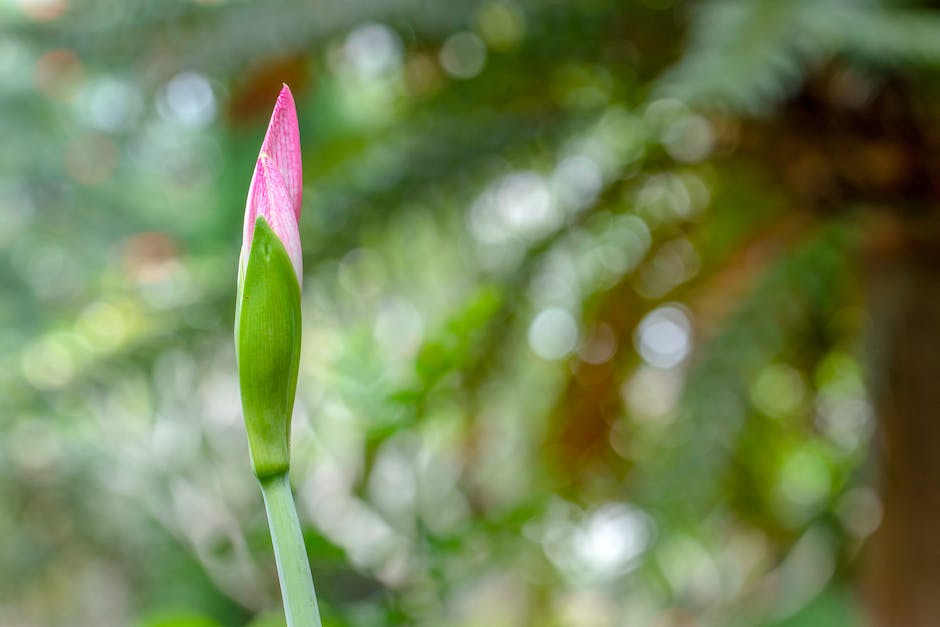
277,183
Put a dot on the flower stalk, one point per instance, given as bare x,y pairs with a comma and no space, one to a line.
300,600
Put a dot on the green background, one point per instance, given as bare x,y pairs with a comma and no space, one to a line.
584,327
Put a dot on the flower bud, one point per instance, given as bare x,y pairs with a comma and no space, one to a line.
267,309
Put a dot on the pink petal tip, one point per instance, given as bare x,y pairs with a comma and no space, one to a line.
282,144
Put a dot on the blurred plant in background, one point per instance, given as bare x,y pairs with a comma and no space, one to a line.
583,318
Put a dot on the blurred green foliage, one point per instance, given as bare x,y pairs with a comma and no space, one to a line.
575,353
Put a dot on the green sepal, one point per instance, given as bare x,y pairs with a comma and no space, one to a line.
267,347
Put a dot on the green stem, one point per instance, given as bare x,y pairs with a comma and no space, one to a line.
293,569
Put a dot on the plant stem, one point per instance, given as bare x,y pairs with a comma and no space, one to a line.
293,569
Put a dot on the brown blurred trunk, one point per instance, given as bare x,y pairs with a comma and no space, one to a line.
903,565
884,153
